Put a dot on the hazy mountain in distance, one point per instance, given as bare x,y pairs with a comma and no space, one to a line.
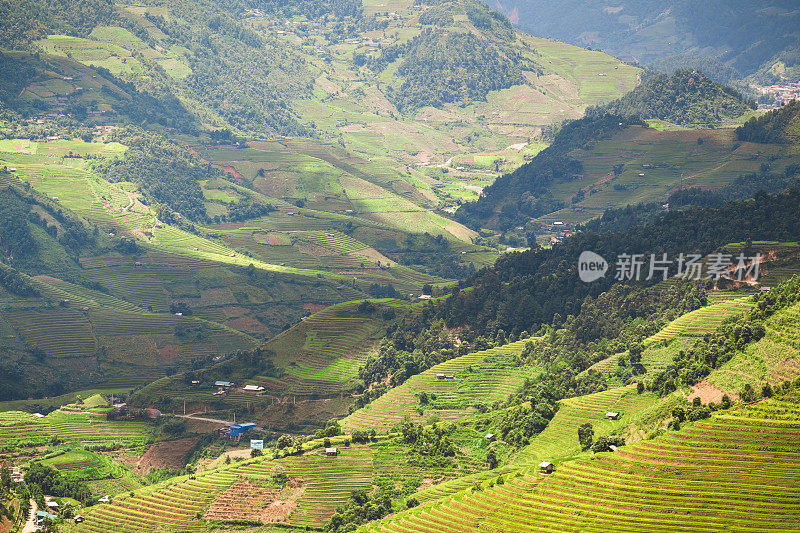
746,35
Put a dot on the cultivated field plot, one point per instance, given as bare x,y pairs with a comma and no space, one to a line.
327,346
18,427
481,376
711,476
658,163
317,485
683,332
772,359
58,332
704,320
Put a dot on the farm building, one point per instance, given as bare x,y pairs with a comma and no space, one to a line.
331,452
612,447
223,384
253,388
545,467
490,437
425,297
612,415
440,376
238,430
449,376
105,499
41,515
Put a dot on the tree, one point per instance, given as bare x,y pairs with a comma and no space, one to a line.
766,391
679,414
585,435
491,459
640,387
5,476
726,401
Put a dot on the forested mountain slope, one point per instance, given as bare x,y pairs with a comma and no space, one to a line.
746,36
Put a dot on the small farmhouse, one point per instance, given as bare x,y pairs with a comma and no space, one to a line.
331,452
545,467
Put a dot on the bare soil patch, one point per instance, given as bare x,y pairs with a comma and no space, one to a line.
248,500
707,392
169,454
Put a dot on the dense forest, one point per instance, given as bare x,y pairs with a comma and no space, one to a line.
778,126
452,67
541,286
23,21
687,97
448,63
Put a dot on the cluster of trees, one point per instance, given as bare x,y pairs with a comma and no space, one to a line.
427,253
517,426
24,21
363,508
780,125
431,445
450,67
688,97
42,479
16,240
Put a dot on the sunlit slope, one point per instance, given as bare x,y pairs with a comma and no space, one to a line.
711,475
483,377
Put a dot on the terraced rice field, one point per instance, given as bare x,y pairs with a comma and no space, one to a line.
327,346
174,505
703,320
560,439
337,242
772,359
58,332
483,376
683,332
736,471
18,426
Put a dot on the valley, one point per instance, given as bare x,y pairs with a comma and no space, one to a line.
272,266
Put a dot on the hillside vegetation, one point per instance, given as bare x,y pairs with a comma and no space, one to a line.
687,97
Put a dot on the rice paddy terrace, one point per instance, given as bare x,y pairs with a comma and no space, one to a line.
736,470
317,485
773,359
483,376
20,427
683,332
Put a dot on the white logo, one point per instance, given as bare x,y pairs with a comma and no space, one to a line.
591,266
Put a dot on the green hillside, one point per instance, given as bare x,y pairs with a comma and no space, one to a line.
595,165
687,98
614,489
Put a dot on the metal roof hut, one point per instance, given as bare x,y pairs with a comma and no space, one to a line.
546,467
